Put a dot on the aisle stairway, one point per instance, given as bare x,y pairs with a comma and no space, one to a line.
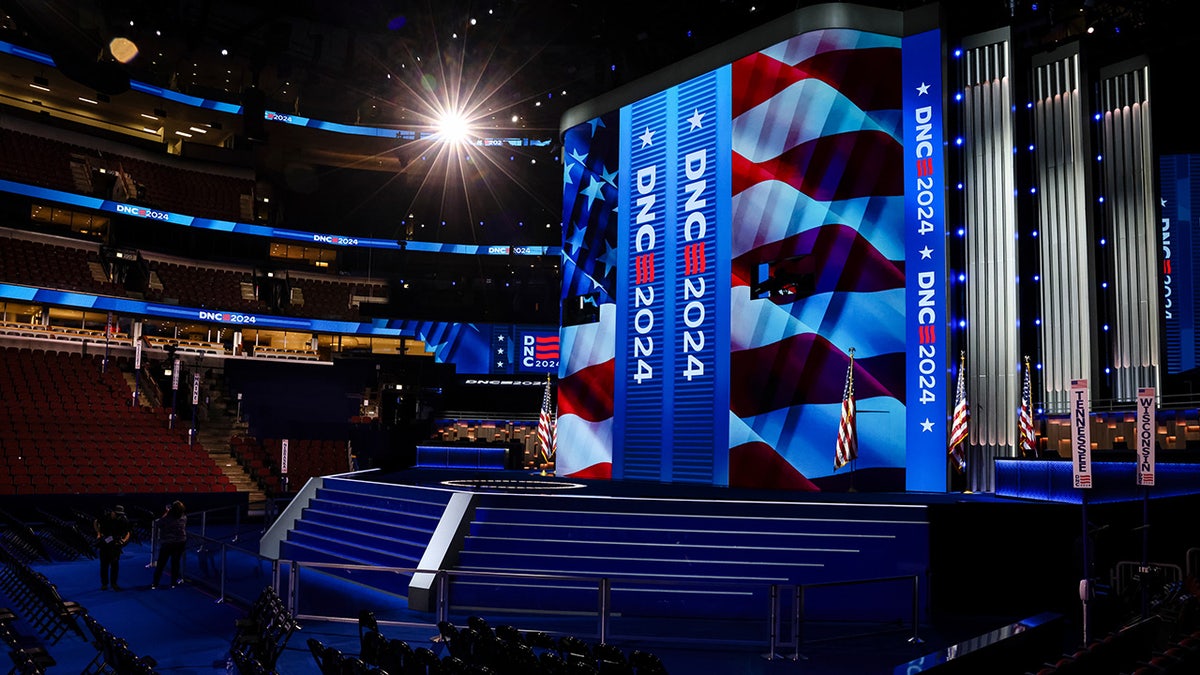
214,434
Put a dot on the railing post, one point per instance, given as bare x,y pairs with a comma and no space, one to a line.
798,623
772,623
153,543
443,596
916,609
294,591
604,598
237,521
221,587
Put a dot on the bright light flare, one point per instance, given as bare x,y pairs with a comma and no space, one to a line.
453,128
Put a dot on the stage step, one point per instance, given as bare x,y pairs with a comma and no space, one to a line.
356,522
679,557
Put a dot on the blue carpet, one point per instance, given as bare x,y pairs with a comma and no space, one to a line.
186,630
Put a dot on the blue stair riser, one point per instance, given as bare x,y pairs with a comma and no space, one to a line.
749,540
366,487
606,549
358,555
813,571
407,549
542,507
568,521
414,520
419,532
392,582
423,508
678,602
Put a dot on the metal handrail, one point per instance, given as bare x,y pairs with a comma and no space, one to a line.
602,584
800,593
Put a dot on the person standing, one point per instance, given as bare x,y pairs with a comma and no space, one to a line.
112,533
172,540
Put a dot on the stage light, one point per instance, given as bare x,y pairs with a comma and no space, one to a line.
453,128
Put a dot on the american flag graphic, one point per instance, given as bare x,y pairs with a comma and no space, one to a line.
817,175
958,425
847,438
591,153
1025,418
817,172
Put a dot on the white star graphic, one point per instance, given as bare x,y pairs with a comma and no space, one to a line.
499,364
500,352
923,89
926,425
926,253
647,137
1163,203
696,120
499,338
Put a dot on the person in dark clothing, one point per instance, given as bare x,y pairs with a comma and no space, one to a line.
172,540
112,533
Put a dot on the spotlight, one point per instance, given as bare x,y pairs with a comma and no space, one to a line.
453,128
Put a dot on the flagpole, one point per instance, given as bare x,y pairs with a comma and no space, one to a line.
846,451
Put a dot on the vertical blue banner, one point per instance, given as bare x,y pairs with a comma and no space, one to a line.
927,344
1179,180
643,300
698,316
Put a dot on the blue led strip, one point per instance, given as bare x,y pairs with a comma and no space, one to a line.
284,118
926,319
1179,180
121,208
642,295
696,316
401,134
194,101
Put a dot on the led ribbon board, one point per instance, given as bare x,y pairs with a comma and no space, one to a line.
466,345
138,211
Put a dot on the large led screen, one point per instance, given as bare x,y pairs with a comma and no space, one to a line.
729,240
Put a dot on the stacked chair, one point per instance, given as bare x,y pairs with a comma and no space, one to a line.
261,636
480,649
38,601
332,661
28,655
113,654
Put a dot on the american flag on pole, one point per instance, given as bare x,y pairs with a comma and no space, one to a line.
958,425
847,438
545,428
1025,418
